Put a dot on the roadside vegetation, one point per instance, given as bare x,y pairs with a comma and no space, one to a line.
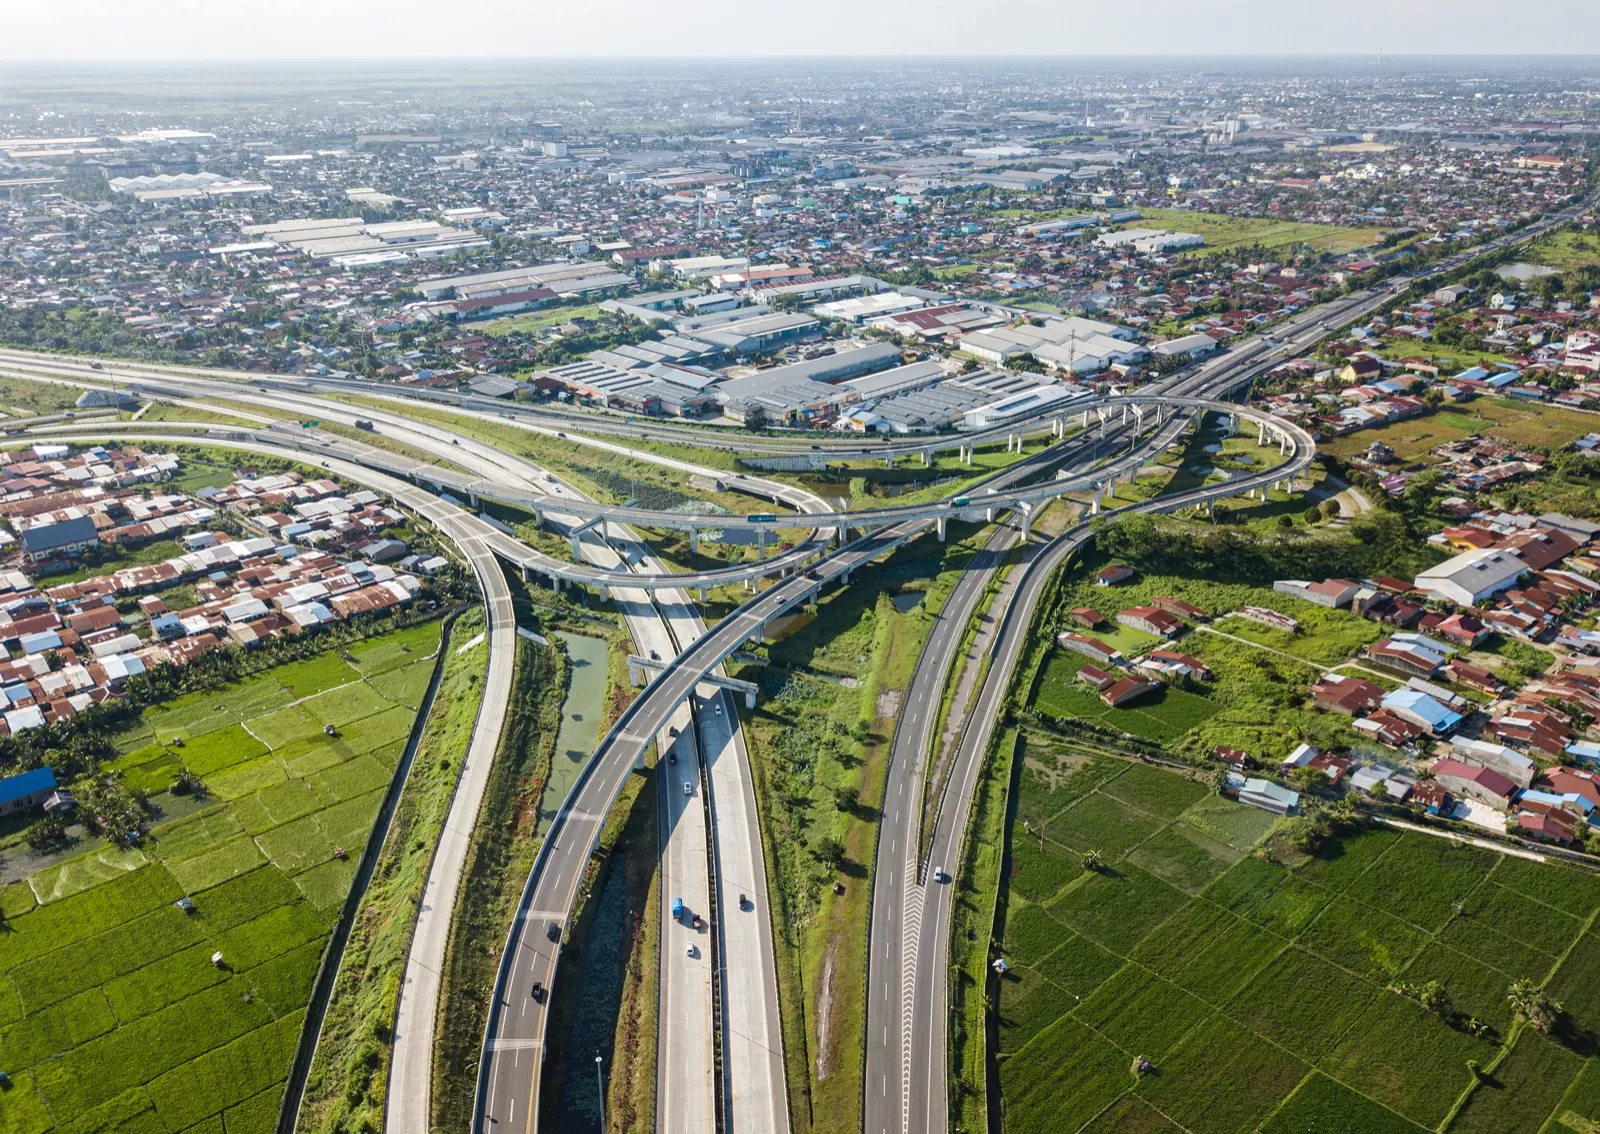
819,746
349,1077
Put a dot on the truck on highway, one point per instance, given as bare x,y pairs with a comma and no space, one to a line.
363,423
761,518
677,909
960,502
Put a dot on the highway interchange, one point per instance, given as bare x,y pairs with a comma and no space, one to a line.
719,852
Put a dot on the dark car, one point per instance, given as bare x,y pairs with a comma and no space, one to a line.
554,932
538,992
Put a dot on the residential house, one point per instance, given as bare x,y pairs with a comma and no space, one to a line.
1092,648
26,790
1471,781
1151,621
1128,690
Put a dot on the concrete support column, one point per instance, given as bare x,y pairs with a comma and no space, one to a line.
1083,422
473,497
702,594
927,458
1283,446
694,542
576,558
969,456
988,515
1094,506
938,526
538,518
761,543
888,462
1261,433
1025,511
605,593
634,677
750,699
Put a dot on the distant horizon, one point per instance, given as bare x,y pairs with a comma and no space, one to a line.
91,31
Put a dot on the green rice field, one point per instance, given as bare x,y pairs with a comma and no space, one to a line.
1276,996
113,1016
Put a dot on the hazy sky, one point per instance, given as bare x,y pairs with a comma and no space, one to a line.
149,30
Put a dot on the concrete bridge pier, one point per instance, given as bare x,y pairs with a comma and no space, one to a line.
888,462
938,526
1261,433
1025,513
927,458
538,518
1094,506
1283,445
694,542
702,594
575,536
761,543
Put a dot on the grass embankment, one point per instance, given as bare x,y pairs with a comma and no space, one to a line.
819,744
21,398
971,936
503,849
629,830
346,1088
112,1014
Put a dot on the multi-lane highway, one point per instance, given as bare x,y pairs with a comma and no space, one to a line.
908,1075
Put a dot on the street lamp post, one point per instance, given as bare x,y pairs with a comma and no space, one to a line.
600,1093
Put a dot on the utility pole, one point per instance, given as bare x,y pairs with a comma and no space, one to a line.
600,1093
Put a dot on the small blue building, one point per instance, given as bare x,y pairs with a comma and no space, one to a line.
26,791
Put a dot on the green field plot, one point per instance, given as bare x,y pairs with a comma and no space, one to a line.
1339,863
1363,940
1239,827
1185,857
1528,1083
1570,891
1488,945
112,1015
1098,822
1131,1115
1141,1013
1406,1058
1209,951
1028,1003
1422,880
1031,934
1043,1092
1078,965
1269,896
1155,791
1163,715
1323,1105
1117,908
1236,995
1054,779
1303,1003
1038,873
1222,1079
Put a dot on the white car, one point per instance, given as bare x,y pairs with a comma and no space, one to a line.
688,787
693,952
719,708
